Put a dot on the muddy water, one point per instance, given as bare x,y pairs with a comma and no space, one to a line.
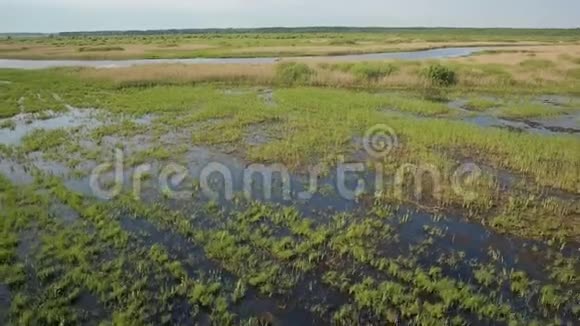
22,124
5,300
458,234
568,123
472,239
491,121
414,55
327,200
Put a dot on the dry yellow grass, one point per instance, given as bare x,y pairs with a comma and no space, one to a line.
178,73
515,55
362,47
314,47
547,68
126,51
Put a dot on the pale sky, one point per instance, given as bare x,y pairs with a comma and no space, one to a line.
88,15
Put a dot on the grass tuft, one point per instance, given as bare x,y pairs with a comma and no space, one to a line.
291,73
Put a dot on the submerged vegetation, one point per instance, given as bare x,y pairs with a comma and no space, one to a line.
472,217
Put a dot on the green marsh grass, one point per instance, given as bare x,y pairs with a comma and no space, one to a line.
365,71
480,104
537,64
322,123
243,242
528,110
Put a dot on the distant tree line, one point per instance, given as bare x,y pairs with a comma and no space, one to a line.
330,29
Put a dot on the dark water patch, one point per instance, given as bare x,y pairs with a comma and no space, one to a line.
64,212
312,292
93,312
566,123
27,243
270,312
475,242
558,100
281,311
177,245
458,234
569,123
451,233
487,120
190,257
5,301
517,126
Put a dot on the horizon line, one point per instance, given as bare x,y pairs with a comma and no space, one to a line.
201,29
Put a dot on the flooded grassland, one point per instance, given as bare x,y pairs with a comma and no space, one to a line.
129,197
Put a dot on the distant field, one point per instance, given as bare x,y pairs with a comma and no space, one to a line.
249,44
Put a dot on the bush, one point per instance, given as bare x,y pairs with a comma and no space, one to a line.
342,42
291,73
537,64
440,75
372,71
574,73
369,71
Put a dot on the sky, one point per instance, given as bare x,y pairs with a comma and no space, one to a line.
50,16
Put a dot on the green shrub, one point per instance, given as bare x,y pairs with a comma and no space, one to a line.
342,42
372,71
480,104
537,64
440,75
41,139
291,73
574,73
